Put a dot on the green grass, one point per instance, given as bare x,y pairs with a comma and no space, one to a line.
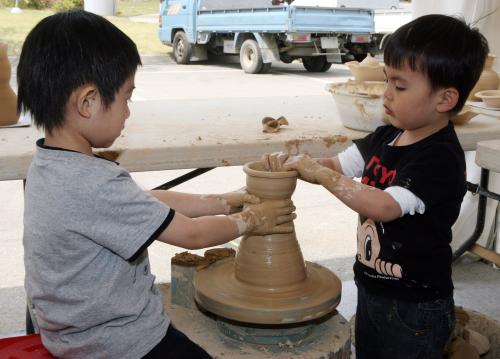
15,27
136,7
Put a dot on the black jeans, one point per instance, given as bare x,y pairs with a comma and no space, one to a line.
395,329
176,345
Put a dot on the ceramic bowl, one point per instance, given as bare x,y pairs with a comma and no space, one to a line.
491,98
464,116
360,104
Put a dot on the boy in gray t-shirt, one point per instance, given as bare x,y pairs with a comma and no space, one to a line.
87,224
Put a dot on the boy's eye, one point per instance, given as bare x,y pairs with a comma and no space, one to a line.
398,88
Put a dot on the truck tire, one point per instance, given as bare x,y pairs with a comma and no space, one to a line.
250,57
316,64
326,66
285,58
182,48
266,67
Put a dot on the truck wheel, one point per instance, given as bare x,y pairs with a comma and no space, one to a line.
326,66
316,64
250,57
182,48
285,58
266,67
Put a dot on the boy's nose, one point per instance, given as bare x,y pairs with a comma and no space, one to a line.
387,93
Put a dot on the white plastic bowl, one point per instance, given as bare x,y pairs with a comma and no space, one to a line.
359,104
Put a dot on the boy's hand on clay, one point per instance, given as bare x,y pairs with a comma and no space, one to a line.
233,201
266,218
273,162
309,170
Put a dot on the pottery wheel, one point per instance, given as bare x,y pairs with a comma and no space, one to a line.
220,292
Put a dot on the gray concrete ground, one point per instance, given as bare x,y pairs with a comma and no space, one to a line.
325,227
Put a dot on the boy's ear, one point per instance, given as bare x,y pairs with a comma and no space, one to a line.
448,98
86,100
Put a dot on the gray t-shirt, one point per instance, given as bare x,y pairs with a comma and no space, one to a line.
87,225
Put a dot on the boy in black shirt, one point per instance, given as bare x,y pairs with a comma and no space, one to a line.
412,185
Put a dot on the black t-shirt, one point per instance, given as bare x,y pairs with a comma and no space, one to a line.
410,257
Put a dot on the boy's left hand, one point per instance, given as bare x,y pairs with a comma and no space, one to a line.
234,201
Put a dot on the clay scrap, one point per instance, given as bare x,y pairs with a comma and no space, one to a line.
465,342
271,125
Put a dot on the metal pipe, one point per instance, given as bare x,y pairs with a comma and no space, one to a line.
181,179
481,214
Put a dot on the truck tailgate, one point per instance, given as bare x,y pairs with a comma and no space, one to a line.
287,19
316,19
269,19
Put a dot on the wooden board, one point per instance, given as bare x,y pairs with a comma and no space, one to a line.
178,134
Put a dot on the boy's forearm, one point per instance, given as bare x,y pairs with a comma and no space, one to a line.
215,230
190,205
332,163
202,232
366,200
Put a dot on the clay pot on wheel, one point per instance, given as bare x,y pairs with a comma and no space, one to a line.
488,80
8,99
268,282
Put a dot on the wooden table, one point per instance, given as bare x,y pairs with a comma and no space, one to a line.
163,135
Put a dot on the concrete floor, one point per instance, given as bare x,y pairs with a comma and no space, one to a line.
325,227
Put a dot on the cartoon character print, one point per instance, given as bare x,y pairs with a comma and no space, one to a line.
370,249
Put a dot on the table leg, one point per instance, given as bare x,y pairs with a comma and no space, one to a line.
183,178
482,191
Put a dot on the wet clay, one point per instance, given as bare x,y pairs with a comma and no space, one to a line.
271,125
268,282
293,146
110,155
210,256
188,259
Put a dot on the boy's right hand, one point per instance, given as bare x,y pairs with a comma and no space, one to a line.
274,216
308,169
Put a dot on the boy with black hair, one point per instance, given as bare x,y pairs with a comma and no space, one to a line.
87,224
412,185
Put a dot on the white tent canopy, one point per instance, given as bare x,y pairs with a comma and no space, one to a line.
471,11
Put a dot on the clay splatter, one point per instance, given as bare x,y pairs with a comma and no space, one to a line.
331,140
110,155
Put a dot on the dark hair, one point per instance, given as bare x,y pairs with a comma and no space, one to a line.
65,51
444,48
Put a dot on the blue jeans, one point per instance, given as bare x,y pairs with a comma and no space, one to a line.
396,329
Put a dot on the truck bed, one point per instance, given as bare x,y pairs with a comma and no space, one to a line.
277,19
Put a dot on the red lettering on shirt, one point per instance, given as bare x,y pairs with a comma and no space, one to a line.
379,173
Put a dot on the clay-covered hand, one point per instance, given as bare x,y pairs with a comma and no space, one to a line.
309,170
273,162
233,201
266,218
